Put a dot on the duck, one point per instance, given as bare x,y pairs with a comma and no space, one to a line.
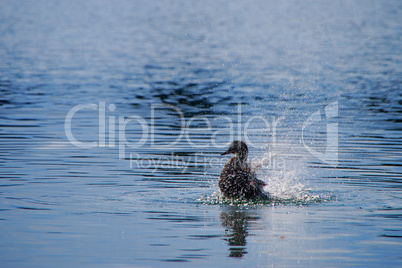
236,179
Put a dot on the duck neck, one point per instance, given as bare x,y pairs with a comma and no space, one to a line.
241,159
242,156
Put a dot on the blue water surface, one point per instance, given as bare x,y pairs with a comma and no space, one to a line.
113,115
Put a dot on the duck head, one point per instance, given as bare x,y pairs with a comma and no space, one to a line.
238,148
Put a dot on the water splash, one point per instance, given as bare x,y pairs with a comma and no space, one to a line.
287,187
217,198
284,187
303,197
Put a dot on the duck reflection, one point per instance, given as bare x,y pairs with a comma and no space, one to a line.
237,222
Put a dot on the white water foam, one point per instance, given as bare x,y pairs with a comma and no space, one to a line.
286,183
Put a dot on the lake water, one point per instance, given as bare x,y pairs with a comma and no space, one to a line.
114,114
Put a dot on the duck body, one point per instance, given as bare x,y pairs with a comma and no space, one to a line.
236,179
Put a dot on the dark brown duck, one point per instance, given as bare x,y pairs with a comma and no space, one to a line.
236,179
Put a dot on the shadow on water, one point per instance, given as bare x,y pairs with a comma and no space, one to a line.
236,223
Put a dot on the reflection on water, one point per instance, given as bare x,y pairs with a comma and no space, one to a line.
236,223
199,76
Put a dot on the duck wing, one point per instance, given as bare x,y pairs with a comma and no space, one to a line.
256,182
259,183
